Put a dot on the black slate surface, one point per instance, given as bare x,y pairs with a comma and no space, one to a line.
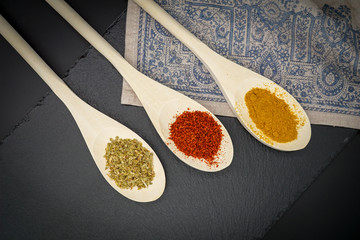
51,188
329,208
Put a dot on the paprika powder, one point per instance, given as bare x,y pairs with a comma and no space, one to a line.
197,134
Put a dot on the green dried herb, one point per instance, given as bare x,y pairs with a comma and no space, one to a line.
129,163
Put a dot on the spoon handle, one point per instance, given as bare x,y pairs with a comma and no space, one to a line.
77,107
95,39
81,111
55,83
209,57
142,85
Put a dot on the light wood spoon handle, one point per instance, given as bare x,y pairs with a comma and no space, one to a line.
78,108
56,84
144,87
134,77
200,49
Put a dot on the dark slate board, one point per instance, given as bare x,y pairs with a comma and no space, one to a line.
50,187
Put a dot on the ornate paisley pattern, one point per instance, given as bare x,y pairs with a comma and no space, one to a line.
312,53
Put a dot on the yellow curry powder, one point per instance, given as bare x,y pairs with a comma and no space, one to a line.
272,115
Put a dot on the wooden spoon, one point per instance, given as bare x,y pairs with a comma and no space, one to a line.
96,128
160,102
234,80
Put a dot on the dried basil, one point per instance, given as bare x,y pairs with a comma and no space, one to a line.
129,163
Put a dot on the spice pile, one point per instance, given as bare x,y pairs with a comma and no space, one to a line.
272,115
129,163
198,135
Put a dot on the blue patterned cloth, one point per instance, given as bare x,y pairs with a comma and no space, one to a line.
313,53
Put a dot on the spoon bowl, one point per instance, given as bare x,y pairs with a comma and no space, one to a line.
153,191
234,81
161,103
242,113
95,127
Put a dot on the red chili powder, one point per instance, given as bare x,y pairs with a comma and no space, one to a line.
197,134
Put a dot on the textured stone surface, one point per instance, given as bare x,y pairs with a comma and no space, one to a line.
50,187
